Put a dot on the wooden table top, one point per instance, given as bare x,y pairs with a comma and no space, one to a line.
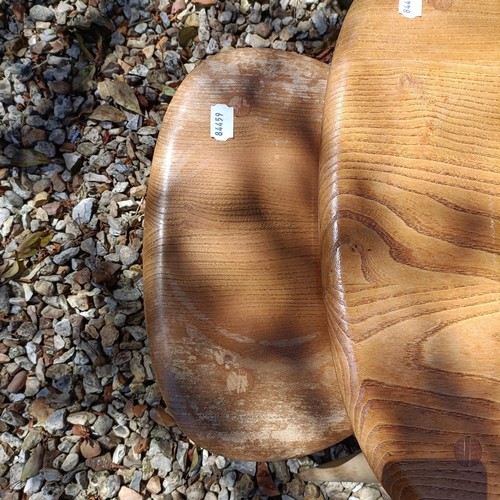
410,231
234,308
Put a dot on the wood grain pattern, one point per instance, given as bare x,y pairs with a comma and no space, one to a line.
410,231
234,309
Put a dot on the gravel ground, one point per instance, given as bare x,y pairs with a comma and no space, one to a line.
84,85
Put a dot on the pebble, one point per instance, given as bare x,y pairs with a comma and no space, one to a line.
70,462
320,22
41,13
256,41
18,382
82,212
56,422
102,425
82,418
111,486
128,494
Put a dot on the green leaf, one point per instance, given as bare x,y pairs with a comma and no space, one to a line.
168,91
186,35
29,158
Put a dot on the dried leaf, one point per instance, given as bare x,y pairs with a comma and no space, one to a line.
81,82
32,243
41,409
186,35
139,410
82,431
83,47
10,269
161,417
141,446
15,48
103,462
29,158
194,461
18,11
90,449
265,481
34,463
121,93
108,113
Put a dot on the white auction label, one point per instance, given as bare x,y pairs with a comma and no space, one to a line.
410,8
221,122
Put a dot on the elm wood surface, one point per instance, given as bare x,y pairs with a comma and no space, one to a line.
235,316
410,231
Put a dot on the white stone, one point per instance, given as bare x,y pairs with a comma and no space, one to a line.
82,213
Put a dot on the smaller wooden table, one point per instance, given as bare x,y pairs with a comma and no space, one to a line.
234,308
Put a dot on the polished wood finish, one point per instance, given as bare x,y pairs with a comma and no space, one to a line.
410,230
235,316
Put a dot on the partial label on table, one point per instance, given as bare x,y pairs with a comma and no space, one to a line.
221,122
410,8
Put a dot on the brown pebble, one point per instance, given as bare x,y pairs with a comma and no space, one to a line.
18,382
128,494
32,136
154,485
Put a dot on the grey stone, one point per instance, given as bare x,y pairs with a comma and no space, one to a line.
196,491
102,425
119,454
225,17
244,467
12,418
41,13
62,327
244,487
4,215
141,28
110,487
57,136
228,480
135,483
82,212
162,464
256,41
65,256
87,149
70,462
264,30
368,493
127,294
91,384
73,161
121,431
181,454
62,107
320,22
14,199
56,421
172,482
